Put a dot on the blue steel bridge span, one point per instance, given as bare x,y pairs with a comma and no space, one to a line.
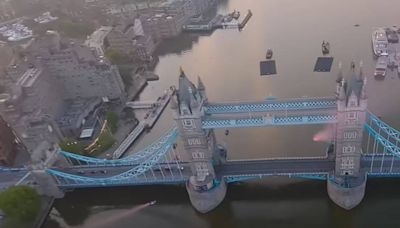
206,171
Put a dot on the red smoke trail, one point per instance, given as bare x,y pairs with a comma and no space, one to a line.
325,135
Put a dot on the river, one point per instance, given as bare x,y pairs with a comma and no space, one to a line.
228,63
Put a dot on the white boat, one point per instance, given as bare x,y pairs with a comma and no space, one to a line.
381,66
236,14
380,42
151,203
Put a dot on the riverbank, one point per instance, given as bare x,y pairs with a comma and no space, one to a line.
138,84
47,205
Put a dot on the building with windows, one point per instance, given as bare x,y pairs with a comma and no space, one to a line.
30,104
160,23
6,10
96,40
83,74
7,144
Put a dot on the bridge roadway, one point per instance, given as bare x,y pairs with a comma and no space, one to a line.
382,165
169,173
272,105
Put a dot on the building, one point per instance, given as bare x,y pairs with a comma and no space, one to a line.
31,102
144,47
76,114
7,144
127,38
83,74
120,38
6,10
160,23
96,40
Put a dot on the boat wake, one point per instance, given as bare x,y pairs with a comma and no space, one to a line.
108,222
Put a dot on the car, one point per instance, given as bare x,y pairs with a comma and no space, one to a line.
81,172
103,171
181,167
93,171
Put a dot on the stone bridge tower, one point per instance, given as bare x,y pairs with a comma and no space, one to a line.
205,190
43,157
346,187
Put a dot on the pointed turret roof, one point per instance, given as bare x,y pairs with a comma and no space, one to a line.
200,85
186,89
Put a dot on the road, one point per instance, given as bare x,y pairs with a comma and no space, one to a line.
170,173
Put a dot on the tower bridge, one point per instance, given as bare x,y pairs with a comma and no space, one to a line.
202,165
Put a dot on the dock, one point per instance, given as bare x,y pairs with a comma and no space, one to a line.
245,20
140,104
155,113
218,22
148,122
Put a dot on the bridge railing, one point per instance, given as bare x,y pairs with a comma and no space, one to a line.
391,132
388,146
132,173
263,121
272,105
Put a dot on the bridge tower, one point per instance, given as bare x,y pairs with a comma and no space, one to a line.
42,157
205,190
346,186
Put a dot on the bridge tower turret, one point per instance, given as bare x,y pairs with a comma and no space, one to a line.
43,157
347,185
204,188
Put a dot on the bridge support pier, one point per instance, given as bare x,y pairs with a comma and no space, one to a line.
206,200
347,195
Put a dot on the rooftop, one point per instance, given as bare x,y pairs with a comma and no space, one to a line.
29,77
75,109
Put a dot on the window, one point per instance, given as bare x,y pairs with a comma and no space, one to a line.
348,149
350,135
188,124
202,169
347,163
351,115
198,155
194,141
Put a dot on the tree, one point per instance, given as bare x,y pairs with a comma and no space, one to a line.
117,57
72,146
112,121
21,203
75,30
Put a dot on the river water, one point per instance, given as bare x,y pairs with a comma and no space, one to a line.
228,63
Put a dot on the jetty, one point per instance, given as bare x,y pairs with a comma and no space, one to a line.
245,20
150,119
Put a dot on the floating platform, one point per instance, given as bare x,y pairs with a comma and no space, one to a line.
323,64
267,67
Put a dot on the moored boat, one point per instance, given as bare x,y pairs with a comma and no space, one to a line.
381,66
236,14
380,42
269,54
325,47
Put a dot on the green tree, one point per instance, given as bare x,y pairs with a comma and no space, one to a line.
72,146
21,203
117,57
75,30
112,121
